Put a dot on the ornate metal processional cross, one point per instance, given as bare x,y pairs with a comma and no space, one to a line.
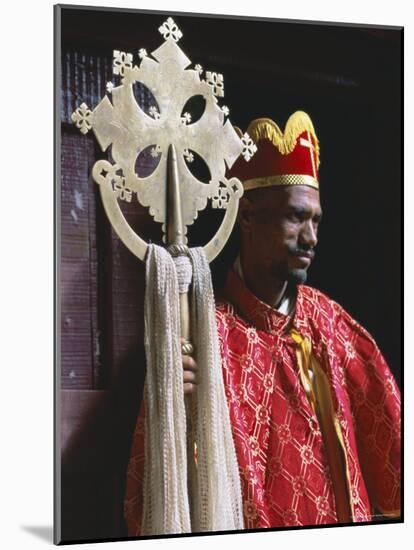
124,125
172,193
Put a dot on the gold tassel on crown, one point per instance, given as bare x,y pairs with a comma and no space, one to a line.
298,122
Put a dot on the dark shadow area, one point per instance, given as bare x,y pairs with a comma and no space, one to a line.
95,458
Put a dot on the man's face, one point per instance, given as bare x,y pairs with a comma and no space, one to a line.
279,227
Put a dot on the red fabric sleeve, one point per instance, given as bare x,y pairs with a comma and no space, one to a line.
375,403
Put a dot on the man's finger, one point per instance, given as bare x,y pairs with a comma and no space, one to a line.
189,388
190,376
189,363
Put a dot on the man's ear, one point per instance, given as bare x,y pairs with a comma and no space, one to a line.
245,214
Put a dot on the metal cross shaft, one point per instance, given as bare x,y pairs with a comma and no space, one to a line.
176,247
175,241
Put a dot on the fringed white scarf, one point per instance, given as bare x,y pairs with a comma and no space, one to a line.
215,502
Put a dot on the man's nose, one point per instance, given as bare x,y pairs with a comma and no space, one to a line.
309,234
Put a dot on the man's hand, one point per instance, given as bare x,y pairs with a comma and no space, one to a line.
190,374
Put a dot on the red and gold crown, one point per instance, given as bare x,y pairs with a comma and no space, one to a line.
282,158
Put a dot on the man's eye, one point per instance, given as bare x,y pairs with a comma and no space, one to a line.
295,217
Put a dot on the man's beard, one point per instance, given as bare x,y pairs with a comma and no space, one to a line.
282,272
297,276
293,275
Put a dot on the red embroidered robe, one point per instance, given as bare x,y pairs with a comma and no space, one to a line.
284,467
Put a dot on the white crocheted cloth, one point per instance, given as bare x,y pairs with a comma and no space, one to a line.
178,499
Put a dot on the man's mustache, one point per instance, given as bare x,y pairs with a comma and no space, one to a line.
302,251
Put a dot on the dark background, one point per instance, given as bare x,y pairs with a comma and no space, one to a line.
349,80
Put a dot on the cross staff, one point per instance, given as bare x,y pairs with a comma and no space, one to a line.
172,193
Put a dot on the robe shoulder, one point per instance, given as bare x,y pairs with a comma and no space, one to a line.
315,301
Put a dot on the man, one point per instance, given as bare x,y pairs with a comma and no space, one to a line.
315,411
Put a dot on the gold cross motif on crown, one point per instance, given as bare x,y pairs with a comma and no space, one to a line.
308,143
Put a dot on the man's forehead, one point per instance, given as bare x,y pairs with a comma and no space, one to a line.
295,196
